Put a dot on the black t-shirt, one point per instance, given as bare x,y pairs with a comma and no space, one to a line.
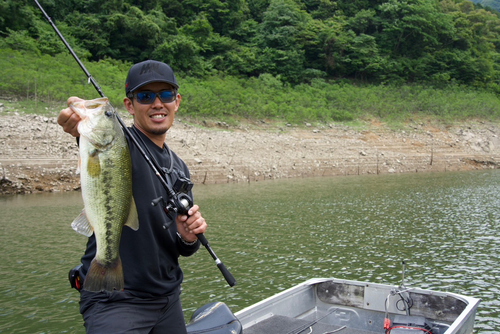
150,254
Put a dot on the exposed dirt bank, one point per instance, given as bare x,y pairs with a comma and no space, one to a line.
36,155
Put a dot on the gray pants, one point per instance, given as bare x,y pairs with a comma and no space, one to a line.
122,312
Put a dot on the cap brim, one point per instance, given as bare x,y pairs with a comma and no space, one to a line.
151,81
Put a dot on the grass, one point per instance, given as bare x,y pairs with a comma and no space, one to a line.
29,106
41,85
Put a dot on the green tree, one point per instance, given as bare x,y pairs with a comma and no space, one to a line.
353,55
88,29
257,8
321,9
411,28
349,8
472,57
15,15
279,39
182,53
133,36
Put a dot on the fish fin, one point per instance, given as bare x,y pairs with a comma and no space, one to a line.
104,277
82,225
133,218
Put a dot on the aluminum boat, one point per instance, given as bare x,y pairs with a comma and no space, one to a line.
329,305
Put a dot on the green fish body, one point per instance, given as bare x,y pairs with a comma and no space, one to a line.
106,183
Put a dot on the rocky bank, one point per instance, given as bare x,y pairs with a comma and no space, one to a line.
37,156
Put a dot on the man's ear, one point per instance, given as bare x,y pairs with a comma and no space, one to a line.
177,102
129,105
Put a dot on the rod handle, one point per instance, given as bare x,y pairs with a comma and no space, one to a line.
202,239
227,275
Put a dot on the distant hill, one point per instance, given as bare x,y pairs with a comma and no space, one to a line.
494,4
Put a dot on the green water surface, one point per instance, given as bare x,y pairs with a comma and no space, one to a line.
274,234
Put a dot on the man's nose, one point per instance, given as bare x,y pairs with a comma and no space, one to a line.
157,101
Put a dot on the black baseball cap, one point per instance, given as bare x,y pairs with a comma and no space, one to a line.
149,71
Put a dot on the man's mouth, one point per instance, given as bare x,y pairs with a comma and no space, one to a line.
158,116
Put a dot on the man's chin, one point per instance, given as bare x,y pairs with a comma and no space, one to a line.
158,131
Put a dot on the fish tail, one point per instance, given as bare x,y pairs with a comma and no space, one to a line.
107,277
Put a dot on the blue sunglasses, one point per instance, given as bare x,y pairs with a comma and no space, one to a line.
148,97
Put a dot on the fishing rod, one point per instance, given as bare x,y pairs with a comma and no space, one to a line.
178,202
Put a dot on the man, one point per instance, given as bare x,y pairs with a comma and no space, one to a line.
150,300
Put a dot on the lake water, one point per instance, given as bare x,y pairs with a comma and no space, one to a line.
274,234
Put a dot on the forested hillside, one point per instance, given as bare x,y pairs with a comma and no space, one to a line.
493,4
370,41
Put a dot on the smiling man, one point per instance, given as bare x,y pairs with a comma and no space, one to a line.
150,301
153,87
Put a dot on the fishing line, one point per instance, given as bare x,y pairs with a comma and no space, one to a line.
173,204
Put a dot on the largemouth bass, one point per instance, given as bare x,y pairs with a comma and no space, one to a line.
106,183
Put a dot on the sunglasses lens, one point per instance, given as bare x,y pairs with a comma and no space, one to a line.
145,97
166,96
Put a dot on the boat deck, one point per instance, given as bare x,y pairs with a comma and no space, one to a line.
279,324
327,306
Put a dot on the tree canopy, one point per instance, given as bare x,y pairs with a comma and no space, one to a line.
296,41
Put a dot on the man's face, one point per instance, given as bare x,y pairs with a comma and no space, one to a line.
156,118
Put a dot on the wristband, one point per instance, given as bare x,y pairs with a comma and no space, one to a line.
186,242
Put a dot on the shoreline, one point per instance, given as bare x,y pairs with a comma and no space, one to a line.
37,156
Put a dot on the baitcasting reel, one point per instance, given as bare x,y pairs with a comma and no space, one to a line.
179,201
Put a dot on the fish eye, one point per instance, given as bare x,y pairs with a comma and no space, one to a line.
108,113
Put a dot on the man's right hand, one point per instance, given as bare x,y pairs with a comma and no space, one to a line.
68,119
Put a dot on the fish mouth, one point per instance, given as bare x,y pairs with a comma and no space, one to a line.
88,108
